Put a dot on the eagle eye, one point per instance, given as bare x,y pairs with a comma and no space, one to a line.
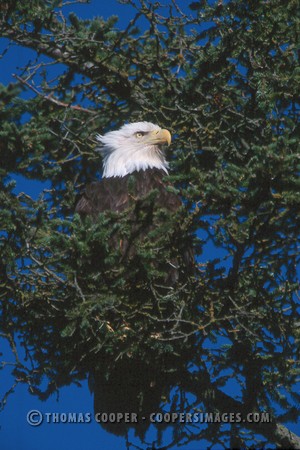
140,134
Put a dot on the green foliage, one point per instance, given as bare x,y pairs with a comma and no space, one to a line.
224,78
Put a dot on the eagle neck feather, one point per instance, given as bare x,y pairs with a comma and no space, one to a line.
120,163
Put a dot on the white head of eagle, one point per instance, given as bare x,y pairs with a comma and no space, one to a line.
134,147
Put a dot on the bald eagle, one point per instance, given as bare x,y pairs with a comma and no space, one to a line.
135,149
134,165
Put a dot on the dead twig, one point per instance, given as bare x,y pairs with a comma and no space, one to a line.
53,99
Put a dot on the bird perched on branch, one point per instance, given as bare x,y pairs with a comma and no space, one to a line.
134,149
134,167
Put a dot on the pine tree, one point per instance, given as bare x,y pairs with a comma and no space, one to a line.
223,77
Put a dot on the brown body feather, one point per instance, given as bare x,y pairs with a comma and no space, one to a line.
118,193
133,385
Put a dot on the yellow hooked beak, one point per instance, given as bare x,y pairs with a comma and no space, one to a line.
159,137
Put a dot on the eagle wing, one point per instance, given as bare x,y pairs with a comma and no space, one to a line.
119,193
133,385
109,194
115,194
